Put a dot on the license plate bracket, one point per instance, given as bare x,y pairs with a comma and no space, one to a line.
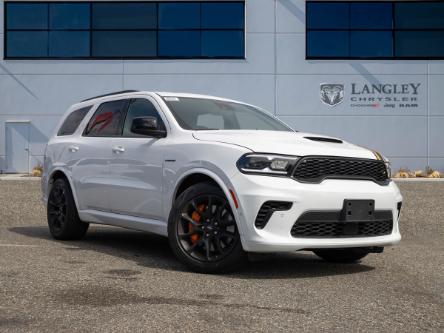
358,210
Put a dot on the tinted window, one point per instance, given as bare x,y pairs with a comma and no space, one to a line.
371,16
179,43
179,15
27,16
328,43
69,16
222,43
362,44
140,108
107,120
27,44
124,43
124,16
222,15
119,29
208,114
327,15
78,45
425,15
373,29
73,121
420,44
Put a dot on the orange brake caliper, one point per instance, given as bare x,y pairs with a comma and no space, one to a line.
196,218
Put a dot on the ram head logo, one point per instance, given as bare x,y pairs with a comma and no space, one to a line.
332,93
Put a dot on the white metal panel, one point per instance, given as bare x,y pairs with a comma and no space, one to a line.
260,15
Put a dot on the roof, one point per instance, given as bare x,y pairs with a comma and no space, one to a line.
162,94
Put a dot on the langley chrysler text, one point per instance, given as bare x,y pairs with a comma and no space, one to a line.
219,178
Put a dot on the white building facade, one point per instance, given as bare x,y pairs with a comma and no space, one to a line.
389,100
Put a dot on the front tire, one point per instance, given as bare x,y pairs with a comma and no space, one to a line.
63,219
202,231
346,255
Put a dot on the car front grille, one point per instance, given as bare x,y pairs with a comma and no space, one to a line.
341,229
316,168
330,225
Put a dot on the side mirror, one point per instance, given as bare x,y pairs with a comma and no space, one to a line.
147,126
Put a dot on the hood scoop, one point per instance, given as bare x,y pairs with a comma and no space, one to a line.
321,139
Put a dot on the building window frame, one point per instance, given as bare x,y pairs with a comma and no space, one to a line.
158,30
393,31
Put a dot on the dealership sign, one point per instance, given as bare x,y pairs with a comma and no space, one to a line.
380,95
332,94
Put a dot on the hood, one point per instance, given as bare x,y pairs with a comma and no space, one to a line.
286,143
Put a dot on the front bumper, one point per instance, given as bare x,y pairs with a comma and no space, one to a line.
254,190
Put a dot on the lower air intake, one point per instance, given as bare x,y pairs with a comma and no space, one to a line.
267,210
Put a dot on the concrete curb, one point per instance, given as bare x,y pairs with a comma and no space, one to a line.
14,177
418,179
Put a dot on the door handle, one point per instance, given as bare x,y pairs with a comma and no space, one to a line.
73,149
118,149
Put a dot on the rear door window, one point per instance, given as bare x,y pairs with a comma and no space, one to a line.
108,119
73,121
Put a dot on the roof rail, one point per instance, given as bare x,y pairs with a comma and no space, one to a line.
111,94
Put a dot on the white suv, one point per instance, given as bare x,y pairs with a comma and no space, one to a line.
220,178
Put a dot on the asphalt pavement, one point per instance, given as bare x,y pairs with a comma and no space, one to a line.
117,280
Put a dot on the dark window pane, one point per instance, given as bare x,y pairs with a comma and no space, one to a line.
27,44
222,15
124,16
324,44
140,108
223,44
69,43
419,15
419,44
327,15
371,16
69,16
371,44
107,120
27,15
124,43
179,43
73,121
179,15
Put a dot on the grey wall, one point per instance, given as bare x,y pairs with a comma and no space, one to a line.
275,75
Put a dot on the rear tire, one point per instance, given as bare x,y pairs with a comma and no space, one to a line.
346,255
63,219
202,231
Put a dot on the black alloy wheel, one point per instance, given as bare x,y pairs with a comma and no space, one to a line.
207,230
203,231
57,208
63,219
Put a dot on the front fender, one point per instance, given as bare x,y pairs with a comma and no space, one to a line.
221,179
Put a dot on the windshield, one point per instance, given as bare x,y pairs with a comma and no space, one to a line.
209,114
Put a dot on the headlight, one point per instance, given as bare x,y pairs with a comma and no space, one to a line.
387,165
267,164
